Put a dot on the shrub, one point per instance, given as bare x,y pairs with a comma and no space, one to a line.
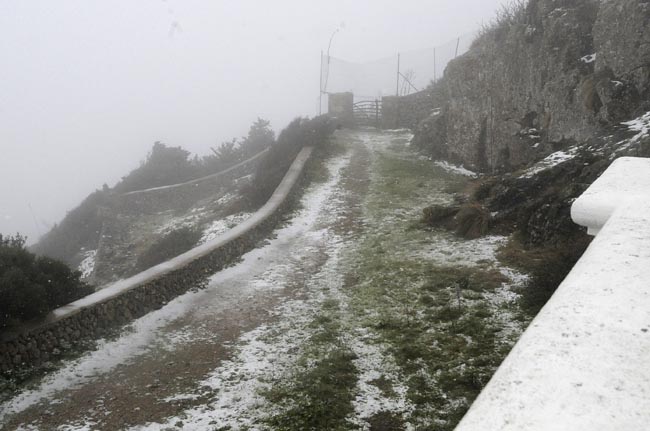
167,247
164,165
548,271
32,286
79,229
300,132
436,215
472,221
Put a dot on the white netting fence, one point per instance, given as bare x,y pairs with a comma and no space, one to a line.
372,80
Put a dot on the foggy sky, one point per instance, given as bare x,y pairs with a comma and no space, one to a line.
86,87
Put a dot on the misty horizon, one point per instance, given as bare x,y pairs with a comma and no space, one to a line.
88,88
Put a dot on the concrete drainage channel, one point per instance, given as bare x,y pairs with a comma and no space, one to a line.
68,327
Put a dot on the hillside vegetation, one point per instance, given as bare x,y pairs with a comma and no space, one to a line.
81,228
31,286
113,234
547,96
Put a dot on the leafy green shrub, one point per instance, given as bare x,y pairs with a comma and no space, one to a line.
31,286
167,247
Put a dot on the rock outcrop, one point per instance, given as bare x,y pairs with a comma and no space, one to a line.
545,76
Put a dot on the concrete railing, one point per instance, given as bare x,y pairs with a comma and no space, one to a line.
584,361
125,300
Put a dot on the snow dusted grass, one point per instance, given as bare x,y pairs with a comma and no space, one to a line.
87,265
217,227
441,310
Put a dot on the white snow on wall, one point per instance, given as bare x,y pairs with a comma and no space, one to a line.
627,179
583,362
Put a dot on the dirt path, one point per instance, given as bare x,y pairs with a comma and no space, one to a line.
337,323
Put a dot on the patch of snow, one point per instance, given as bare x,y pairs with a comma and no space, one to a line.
550,161
109,354
588,58
87,265
86,425
460,170
374,362
180,397
450,250
218,227
640,125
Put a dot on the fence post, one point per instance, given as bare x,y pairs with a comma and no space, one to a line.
397,87
320,86
376,113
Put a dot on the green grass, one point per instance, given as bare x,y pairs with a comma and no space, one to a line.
447,351
319,394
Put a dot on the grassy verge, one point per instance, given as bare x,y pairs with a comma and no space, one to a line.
438,320
318,396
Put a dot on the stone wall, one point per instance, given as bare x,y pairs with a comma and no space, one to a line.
340,108
73,325
399,112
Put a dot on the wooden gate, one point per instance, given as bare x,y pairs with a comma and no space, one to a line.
367,113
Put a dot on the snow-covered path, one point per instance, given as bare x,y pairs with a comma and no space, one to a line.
248,350
139,376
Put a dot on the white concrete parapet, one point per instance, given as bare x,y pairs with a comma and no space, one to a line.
584,362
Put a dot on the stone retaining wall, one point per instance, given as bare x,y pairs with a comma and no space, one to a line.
399,112
74,325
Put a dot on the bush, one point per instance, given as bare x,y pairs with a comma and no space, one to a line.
300,132
472,221
260,136
164,165
32,286
167,247
437,215
79,229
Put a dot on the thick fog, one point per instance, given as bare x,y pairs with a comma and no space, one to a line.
86,87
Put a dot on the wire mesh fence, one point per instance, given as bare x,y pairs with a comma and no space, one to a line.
403,73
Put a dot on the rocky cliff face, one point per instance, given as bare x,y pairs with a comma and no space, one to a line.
547,75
